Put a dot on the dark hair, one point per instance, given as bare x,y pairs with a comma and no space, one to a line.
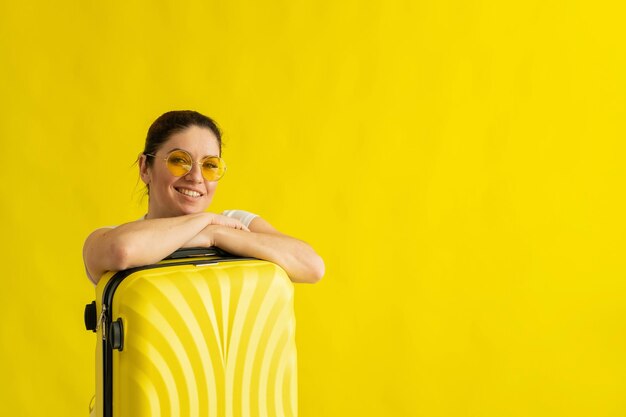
174,122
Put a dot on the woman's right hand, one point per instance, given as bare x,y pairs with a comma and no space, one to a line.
206,237
148,241
220,219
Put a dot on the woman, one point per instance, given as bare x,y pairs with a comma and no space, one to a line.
180,166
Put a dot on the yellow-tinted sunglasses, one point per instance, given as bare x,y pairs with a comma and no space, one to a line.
179,163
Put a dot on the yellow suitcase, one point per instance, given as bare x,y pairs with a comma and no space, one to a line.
195,336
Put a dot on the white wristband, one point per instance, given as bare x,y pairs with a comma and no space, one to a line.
243,216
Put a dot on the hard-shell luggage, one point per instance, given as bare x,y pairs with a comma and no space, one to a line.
200,334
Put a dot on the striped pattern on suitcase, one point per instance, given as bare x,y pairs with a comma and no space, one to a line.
198,337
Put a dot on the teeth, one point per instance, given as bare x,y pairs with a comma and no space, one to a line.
190,193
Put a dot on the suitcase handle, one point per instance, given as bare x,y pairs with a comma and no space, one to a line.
197,252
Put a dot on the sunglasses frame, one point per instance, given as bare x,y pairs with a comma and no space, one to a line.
199,163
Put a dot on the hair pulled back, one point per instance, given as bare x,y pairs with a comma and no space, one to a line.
174,122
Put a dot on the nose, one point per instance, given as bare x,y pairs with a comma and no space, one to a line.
195,175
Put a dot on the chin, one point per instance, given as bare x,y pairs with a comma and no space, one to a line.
193,209
189,210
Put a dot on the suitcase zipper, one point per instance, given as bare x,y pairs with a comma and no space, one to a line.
102,322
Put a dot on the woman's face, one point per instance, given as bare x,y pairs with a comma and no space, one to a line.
175,196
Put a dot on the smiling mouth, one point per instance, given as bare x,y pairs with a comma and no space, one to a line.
188,193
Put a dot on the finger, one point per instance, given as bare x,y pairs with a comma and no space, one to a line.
242,226
236,225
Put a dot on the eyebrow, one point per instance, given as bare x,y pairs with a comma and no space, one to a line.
184,150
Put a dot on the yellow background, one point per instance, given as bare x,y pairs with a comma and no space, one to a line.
458,164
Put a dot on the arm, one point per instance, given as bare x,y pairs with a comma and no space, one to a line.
265,242
147,241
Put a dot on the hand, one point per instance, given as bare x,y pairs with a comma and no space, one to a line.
206,237
219,219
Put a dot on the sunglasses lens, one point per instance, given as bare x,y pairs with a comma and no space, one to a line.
179,163
213,168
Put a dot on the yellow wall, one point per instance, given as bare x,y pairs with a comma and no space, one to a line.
459,165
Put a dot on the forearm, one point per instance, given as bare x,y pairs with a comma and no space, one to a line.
139,243
296,257
150,241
